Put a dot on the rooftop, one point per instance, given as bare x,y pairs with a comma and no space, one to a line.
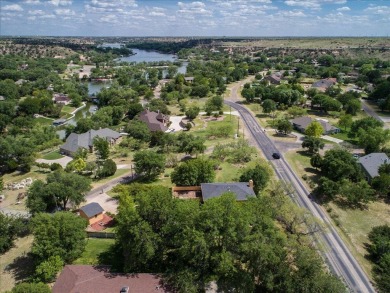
92,209
242,190
99,279
372,162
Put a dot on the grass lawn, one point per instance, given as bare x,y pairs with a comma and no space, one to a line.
17,262
118,173
355,224
53,155
44,121
68,109
94,247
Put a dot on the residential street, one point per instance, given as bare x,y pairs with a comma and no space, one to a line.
337,255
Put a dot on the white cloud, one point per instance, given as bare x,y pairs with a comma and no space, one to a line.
291,13
312,4
32,2
378,10
110,18
12,7
60,2
46,16
345,8
67,12
36,12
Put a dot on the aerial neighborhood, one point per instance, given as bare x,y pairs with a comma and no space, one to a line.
217,167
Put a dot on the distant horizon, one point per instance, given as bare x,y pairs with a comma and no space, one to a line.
200,37
173,18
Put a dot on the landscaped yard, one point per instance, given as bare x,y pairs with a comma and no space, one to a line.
53,155
94,247
68,109
44,121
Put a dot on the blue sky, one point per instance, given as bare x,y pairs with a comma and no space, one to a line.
195,18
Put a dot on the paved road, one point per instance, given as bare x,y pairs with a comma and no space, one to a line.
337,255
372,113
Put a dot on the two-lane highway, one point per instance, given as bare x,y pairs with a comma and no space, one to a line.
337,255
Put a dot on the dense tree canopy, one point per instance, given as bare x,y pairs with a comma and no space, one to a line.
149,164
238,245
193,172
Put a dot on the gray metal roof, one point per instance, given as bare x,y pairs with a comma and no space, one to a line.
84,140
92,209
240,189
371,163
304,122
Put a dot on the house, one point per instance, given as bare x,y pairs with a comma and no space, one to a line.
156,121
273,79
371,163
99,279
323,84
205,191
61,99
189,79
242,190
301,123
85,140
93,212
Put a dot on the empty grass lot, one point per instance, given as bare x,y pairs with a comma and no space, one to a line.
94,247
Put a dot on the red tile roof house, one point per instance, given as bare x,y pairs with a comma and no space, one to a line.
156,121
99,279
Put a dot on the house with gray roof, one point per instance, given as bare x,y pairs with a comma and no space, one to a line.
76,141
242,190
301,123
93,212
323,84
371,163
155,121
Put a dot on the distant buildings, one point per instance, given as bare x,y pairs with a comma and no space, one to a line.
61,99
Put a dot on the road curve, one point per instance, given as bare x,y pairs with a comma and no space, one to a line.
337,255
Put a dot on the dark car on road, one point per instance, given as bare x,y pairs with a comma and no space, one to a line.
276,155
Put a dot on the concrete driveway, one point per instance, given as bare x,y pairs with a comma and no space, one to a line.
176,123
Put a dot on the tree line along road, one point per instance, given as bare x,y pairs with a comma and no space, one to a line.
337,256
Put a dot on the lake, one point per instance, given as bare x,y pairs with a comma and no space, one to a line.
140,56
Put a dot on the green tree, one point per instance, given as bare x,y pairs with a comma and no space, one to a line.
192,112
11,227
284,126
296,111
260,175
316,160
149,164
102,148
373,138
345,121
269,106
313,144
31,288
314,129
353,107
47,270
327,189
61,234
134,109
338,164
365,124
381,184
193,172
356,194
139,130
108,169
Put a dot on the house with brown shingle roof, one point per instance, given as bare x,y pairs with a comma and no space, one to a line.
156,121
99,279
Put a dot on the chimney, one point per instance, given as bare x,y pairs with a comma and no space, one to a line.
251,183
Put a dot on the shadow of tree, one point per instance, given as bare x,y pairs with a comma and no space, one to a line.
22,267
